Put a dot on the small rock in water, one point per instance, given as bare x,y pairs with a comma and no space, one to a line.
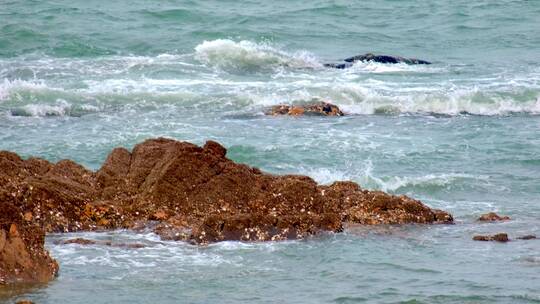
319,108
79,241
24,302
527,237
369,57
82,241
492,217
499,237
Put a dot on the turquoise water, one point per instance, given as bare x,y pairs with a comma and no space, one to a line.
78,78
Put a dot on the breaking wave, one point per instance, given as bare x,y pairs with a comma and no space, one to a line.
68,86
247,55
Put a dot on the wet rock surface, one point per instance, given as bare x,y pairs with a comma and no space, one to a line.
369,57
23,258
314,109
195,194
85,242
492,217
499,237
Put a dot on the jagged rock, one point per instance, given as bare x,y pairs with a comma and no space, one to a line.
527,237
348,62
194,194
23,258
492,216
319,108
499,237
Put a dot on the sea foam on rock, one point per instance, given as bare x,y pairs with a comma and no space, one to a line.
194,194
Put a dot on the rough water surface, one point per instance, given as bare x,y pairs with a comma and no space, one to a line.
78,78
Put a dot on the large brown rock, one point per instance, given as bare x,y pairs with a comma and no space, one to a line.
195,194
23,258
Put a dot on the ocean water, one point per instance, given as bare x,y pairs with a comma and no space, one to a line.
78,78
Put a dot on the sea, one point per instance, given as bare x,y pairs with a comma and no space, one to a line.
78,78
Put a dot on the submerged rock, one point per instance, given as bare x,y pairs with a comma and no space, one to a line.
492,217
23,258
527,237
499,237
195,194
348,62
81,241
319,108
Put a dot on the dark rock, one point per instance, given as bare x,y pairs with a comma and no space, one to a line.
492,216
499,237
348,62
339,66
318,108
527,237
81,241
385,59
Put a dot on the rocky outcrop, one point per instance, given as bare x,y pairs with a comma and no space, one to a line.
492,217
187,192
23,258
314,109
499,237
369,57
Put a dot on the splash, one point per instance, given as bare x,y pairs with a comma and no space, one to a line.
247,55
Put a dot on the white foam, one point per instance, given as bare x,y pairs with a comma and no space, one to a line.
380,68
438,180
8,87
367,178
226,53
61,108
359,90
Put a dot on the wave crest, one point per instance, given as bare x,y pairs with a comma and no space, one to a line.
247,55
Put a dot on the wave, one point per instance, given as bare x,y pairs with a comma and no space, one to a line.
247,55
366,178
33,86
452,104
9,87
380,68
60,108
36,98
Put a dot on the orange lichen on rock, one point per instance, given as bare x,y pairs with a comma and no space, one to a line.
492,217
316,108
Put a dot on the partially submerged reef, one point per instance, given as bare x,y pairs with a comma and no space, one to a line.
321,108
184,192
370,57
